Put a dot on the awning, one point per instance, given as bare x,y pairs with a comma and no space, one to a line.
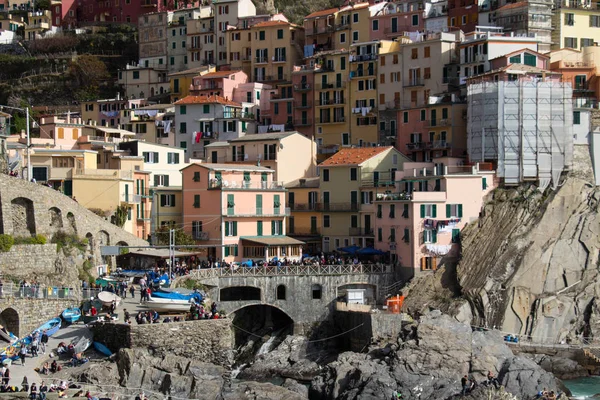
159,253
272,240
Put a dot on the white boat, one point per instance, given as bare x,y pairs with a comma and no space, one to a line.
160,304
107,298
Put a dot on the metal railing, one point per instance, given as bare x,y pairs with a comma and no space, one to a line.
360,231
225,184
303,122
302,86
200,235
330,102
414,82
255,211
358,269
15,290
363,57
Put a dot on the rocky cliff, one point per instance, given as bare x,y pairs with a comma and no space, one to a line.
529,265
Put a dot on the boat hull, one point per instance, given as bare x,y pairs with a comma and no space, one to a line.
71,315
51,327
102,349
159,304
107,298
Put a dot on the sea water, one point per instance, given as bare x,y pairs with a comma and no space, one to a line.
584,388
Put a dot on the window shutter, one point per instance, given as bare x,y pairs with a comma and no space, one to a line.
169,158
235,251
434,211
424,236
406,235
224,126
226,228
156,180
272,227
137,186
434,263
484,183
156,157
460,211
226,251
422,210
448,210
379,234
163,200
280,227
434,236
423,264
234,228
259,228
166,179
172,200
176,158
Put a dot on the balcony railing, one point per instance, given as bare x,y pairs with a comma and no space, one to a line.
437,122
303,122
306,104
255,211
403,196
10,289
303,231
414,82
295,270
440,144
333,85
387,133
306,206
363,57
279,59
342,25
252,158
330,102
237,115
301,87
579,4
200,235
230,184
261,60
359,73
340,206
334,120
103,173
131,198
360,231
320,30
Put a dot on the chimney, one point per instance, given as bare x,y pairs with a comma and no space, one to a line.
302,182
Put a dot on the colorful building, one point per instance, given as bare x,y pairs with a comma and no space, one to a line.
579,67
575,24
125,11
239,211
349,181
181,83
419,221
305,221
394,19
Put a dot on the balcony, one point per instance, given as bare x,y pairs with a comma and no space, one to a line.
207,29
302,87
39,25
302,122
341,207
392,31
244,185
330,102
261,60
200,235
335,120
251,158
403,196
303,231
306,206
279,96
388,133
254,212
279,59
334,85
103,174
440,144
320,30
363,57
359,73
438,122
416,146
360,231
237,115
342,25
414,82
579,4
131,198
306,104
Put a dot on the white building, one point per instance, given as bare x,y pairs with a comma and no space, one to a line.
228,12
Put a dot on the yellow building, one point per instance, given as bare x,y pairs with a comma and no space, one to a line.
575,24
364,105
348,181
239,50
56,166
169,207
332,97
37,24
305,221
352,25
180,82
275,49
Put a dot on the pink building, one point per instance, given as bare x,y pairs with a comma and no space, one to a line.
221,83
64,131
239,211
125,11
64,13
523,56
141,227
420,222
396,18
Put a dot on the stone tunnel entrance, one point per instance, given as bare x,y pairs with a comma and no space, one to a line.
256,321
9,318
237,293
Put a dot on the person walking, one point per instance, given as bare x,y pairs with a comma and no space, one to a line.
34,346
23,354
44,342
132,291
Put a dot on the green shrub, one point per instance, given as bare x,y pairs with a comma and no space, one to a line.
66,240
6,242
37,239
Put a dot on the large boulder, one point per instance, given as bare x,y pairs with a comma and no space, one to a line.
249,390
524,378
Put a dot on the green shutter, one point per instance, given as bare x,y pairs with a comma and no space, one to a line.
235,251
234,228
460,211
379,234
406,235
280,227
226,251
137,187
230,204
272,227
422,210
226,228
434,236
448,210
246,176
276,204
424,236
434,211
484,183
259,204
263,177
259,228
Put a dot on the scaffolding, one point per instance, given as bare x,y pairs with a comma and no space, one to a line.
526,126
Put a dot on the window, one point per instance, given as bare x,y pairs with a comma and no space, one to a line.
570,19
261,35
392,211
325,175
355,36
150,157
182,127
161,180
571,42
515,59
405,117
576,117
280,295
276,109
414,54
182,110
345,139
230,228
259,228
379,235
379,211
276,228
196,229
167,200
136,74
530,59
454,211
279,33
173,158
464,20
316,288
375,25
455,235
429,236
183,144
586,42
392,237
427,52
406,237
354,221
415,20
483,183
326,221
353,174
428,211
355,17
342,38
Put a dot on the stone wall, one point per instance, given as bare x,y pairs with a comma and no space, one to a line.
30,313
39,258
207,340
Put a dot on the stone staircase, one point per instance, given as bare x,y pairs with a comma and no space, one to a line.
593,354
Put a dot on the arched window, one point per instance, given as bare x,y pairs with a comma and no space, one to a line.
316,291
280,292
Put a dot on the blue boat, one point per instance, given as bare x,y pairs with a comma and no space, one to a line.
71,315
51,327
102,349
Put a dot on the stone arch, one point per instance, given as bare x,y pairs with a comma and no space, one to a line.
23,217
103,238
55,216
255,317
280,293
71,225
9,318
122,243
240,293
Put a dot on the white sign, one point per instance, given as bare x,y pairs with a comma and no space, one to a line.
109,250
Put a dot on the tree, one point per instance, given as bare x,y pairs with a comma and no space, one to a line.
120,216
41,5
181,238
88,71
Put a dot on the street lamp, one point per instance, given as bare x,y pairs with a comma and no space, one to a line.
28,137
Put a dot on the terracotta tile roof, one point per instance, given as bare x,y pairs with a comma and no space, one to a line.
218,74
512,5
207,100
271,23
322,13
353,156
